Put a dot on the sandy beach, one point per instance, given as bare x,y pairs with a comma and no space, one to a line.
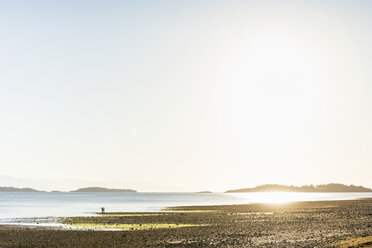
301,224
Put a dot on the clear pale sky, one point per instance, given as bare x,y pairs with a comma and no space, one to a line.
199,95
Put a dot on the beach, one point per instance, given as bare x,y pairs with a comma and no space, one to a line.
299,224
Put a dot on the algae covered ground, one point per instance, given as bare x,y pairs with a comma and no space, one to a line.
127,221
301,224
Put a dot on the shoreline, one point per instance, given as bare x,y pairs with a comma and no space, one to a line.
242,198
55,221
296,224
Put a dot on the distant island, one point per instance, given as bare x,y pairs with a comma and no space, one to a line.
100,189
88,189
332,187
13,189
204,192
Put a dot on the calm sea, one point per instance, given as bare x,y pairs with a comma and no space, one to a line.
58,204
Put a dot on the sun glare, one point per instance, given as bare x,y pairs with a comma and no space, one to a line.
278,197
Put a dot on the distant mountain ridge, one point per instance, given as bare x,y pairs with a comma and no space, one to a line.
68,184
87,189
13,189
100,189
332,187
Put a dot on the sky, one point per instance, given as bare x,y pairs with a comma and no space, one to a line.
191,95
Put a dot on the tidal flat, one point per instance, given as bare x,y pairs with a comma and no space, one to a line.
299,224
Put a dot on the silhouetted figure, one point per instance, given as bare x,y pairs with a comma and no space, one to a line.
103,210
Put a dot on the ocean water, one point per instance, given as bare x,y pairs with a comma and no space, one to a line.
60,204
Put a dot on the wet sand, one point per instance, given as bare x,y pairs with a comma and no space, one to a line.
301,224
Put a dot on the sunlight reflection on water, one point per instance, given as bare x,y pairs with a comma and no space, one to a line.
285,197
44,204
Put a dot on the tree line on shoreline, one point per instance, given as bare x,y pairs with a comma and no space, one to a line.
331,187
